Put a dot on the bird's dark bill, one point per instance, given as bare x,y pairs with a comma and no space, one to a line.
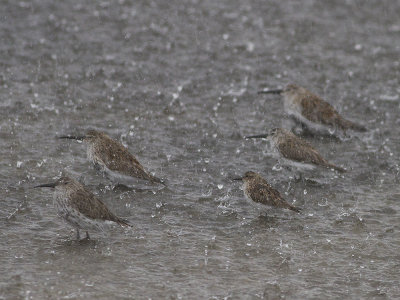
278,91
72,137
50,185
259,136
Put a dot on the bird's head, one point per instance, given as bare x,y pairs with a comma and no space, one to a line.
291,89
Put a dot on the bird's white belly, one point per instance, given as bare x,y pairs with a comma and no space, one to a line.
312,126
297,164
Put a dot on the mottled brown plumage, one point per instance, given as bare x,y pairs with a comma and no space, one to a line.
295,148
260,191
312,110
80,207
112,157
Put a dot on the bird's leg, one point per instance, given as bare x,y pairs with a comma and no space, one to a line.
77,234
345,133
97,166
101,169
87,235
298,177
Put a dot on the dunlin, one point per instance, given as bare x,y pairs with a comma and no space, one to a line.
112,157
295,148
260,191
80,207
312,111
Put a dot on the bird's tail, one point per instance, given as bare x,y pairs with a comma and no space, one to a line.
155,179
291,207
123,223
346,124
358,127
339,169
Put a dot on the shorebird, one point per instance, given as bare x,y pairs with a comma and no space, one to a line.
312,111
260,191
295,148
111,157
80,207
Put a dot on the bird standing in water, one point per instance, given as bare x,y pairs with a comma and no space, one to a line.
312,111
295,148
260,191
80,207
112,157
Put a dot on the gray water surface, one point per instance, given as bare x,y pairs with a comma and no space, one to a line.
176,82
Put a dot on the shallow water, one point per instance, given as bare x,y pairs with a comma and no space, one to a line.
176,82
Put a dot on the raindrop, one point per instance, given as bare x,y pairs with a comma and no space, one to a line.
250,46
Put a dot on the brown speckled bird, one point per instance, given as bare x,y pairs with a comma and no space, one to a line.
312,111
260,191
112,157
80,207
295,148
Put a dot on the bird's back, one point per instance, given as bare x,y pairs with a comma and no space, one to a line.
297,149
260,191
317,110
114,156
81,202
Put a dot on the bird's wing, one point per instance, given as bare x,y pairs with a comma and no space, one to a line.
317,110
265,194
90,206
117,158
297,149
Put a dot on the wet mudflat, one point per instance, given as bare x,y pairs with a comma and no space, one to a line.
177,83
